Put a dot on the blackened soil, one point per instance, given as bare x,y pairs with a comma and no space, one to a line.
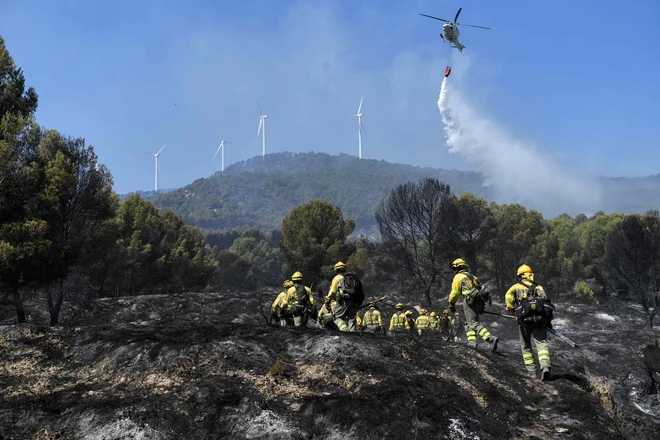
209,366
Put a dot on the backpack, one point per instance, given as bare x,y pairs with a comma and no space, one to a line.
352,289
301,295
476,294
533,308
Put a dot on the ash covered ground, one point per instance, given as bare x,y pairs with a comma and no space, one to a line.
207,366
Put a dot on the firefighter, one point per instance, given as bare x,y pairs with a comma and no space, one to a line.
446,326
399,322
467,285
434,322
372,320
299,301
530,303
277,312
423,324
344,311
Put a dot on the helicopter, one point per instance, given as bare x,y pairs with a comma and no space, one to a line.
450,30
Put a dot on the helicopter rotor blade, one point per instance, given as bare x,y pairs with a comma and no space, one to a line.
436,18
457,14
471,25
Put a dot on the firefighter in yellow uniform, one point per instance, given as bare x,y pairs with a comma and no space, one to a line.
372,320
446,326
399,322
344,313
521,298
299,301
467,285
434,323
409,318
276,310
423,324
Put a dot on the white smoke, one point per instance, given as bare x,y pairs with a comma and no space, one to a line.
520,172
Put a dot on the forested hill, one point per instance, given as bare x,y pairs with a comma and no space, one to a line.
260,192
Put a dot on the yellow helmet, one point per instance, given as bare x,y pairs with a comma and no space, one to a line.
524,269
340,266
458,263
445,312
433,314
296,276
408,312
423,312
399,306
287,284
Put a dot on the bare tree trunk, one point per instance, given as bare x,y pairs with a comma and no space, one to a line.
18,302
649,320
55,306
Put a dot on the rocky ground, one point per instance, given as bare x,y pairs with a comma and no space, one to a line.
207,366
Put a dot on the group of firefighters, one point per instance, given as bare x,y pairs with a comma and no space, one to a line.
340,310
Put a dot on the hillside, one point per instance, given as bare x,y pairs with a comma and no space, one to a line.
207,366
261,192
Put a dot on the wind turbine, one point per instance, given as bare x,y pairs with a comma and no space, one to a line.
360,127
222,147
157,167
262,123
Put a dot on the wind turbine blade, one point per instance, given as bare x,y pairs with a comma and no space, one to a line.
360,107
260,112
216,152
145,151
261,121
161,149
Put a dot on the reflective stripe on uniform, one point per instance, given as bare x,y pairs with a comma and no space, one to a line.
528,358
399,321
544,355
471,335
484,333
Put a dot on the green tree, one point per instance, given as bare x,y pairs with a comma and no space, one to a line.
473,225
513,242
15,99
633,254
23,240
313,236
76,199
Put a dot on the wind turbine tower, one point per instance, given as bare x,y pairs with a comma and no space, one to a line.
157,167
262,124
360,127
222,147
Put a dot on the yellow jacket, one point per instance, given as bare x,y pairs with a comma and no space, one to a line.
519,291
462,284
372,317
333,293
292,299
399,321
277,304
423,321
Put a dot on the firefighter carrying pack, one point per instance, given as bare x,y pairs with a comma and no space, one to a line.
352,289
474,292
301,295
532,307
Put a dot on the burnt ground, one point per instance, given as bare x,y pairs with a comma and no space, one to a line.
199,366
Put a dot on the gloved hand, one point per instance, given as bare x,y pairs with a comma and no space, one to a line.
452,308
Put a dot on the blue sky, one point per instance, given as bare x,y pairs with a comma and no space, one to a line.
579,79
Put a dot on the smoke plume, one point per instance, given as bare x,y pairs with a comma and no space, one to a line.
518,171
